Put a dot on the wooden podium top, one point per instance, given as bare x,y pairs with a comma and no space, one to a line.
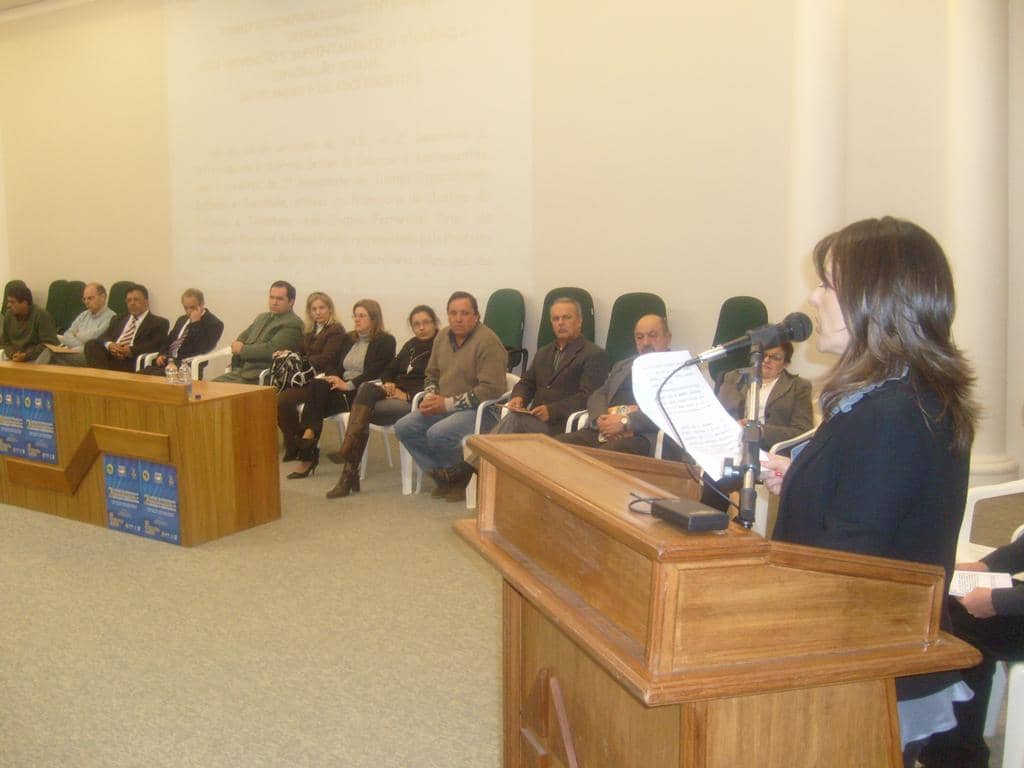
677,616
114,384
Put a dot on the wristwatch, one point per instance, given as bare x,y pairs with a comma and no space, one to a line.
624,421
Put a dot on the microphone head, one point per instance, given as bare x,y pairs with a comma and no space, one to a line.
797,326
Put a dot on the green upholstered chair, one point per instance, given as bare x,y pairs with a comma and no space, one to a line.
64,302
505,314
116,296
544,333
626,310
737,316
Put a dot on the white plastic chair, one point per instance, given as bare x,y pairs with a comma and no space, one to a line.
966,550
215,356
341,421
510,381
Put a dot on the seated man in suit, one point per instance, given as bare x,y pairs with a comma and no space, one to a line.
466,366
89,324
616,424
137,332
194,333
27,329
992,620
785,402
561,378
278,328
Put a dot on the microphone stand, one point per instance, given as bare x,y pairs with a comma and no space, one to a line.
750,457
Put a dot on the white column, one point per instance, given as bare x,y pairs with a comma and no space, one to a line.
818,150
977,213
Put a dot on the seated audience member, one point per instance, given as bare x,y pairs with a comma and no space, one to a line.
992,620
366,353
194,333
467,366
385,403
561,378
27,328
615,422
92,322
279,328
785,401
322,346
137,332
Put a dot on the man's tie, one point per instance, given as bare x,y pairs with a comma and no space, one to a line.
129,332
172,351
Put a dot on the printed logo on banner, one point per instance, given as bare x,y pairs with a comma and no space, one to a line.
27,425
142,498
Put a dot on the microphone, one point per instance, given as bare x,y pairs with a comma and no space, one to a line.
795,327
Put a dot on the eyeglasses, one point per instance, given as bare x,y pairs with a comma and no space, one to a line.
775,358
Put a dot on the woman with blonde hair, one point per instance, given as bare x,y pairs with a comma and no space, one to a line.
322,345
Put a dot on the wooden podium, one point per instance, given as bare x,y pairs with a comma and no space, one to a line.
631,644
222,440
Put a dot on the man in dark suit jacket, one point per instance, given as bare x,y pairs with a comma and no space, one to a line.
992,620
787,407
138,332
616,424
562,377
194,333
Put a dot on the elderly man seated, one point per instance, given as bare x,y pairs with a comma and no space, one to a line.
561,378
27,329
467,366
278,328
616,424
194,333
89,324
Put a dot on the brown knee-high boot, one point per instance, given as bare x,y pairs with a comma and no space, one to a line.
356,436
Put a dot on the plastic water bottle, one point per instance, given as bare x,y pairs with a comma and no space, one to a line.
185,377
171,372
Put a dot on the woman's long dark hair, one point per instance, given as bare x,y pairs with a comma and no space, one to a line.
895,290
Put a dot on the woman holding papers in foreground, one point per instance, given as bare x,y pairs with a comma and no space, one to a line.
886,473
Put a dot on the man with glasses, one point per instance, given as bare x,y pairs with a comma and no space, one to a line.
89,324
785,407
278,328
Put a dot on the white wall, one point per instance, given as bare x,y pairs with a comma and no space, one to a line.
402,150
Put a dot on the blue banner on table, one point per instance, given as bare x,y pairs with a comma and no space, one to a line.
26,424
142,498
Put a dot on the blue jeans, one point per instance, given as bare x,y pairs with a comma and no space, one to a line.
435,441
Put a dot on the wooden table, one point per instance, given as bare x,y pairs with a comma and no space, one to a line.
222,440
630,644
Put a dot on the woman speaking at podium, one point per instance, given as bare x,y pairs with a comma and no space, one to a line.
886,473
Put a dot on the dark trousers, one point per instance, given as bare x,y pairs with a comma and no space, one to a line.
386,410
588,437
1000,638
97,356
320,402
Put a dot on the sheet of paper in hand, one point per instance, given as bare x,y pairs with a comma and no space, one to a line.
694,414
